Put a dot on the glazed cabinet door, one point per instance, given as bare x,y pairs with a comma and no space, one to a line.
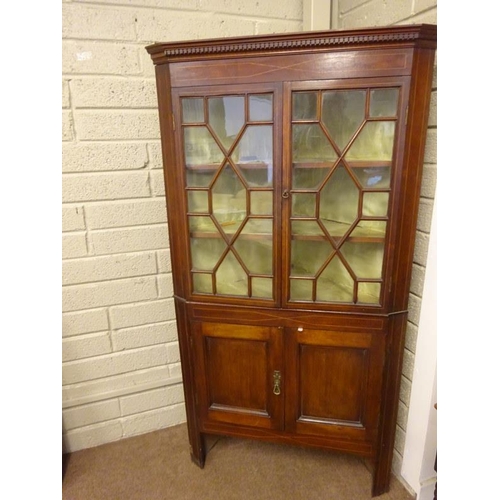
333,384
229,165
341,161
239,372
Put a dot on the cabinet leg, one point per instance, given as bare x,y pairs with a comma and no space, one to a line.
198,450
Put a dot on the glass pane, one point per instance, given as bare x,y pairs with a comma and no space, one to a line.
198,201
339,200
262,288
384,102
335,283
365,259
261,202
374,143
192,110
301,289
375,204
309,228
304,106
229,200
369,228
308,256
343,112
255,246
369,293
373,177
226,115
254,155
207,244
310,145
202,283
260,107
231,279
200,147
304,204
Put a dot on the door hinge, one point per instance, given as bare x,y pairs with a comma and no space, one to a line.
406,115
173,121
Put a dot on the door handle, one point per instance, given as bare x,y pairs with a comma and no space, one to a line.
277,383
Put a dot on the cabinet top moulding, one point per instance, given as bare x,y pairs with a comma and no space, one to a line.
417,35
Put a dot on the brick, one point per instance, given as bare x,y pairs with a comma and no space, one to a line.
376,13
97,157
411,337
153,420
104,186
414,305
132,239
79,322
106,125
429,177
65,94
90,436
147,66
157,183
402,418
74,245
97,22
397,464
127,382
430,155
164,261
347,5
113,364
165,286
162,4
399,442
405,391
113,93
175,370
72,218
141,336
173,354
151,400
408,364
91,296
421,248
425,215
427,17
433,110
165,26
107,58
89,414
142,314
85,346
155,155
108,268
116,214
417,280
68,131
292,9
275,26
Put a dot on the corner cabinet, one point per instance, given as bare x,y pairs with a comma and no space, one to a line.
292,170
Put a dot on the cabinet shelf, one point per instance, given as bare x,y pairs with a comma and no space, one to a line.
244,166
351,163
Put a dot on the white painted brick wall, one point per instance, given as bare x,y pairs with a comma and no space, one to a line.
363,13
121,369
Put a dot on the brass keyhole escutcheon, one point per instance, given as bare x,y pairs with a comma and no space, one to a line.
285,194
277,383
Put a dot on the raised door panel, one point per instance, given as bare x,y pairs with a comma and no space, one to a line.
238,376
334,383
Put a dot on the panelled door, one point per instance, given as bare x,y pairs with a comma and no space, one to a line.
333,383
239,371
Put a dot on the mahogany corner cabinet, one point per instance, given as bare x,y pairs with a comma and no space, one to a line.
292,168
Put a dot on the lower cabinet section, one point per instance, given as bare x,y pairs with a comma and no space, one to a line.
290,382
